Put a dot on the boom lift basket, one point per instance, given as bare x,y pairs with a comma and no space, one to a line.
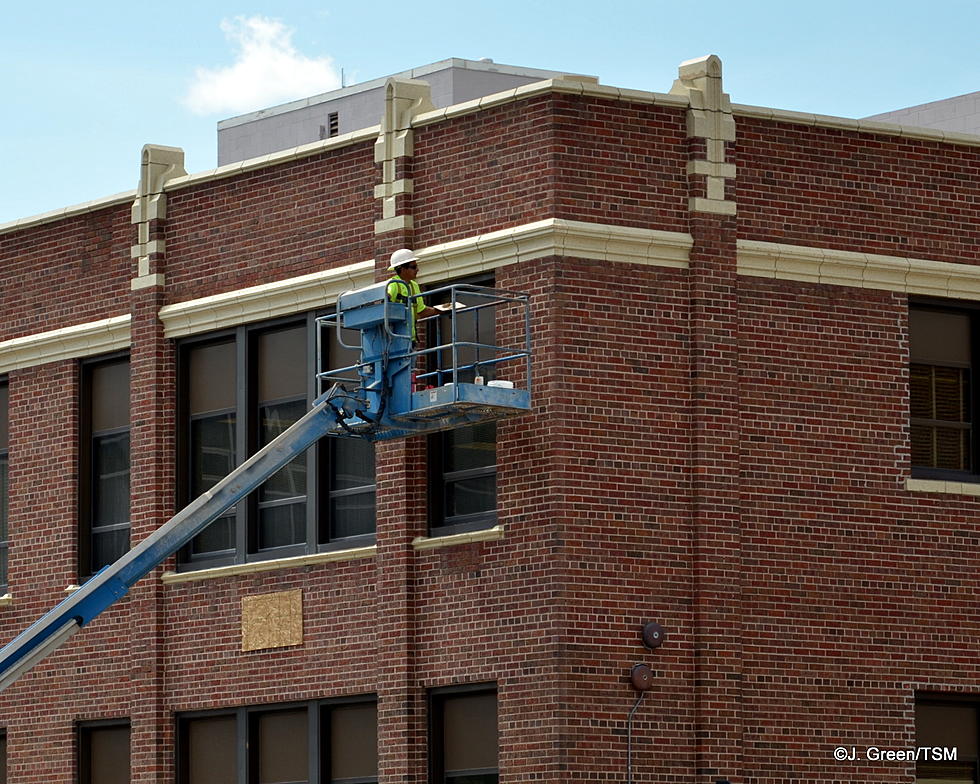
461,372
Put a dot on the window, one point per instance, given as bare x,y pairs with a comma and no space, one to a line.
104,464
941,391
463,735
946,725
103,753
239,390
3,757
4,482
329,741
463,462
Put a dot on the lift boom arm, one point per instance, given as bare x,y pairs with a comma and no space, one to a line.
110,584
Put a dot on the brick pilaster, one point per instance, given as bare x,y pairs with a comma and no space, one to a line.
152,453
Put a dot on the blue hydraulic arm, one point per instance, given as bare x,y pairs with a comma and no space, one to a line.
53,629
378,403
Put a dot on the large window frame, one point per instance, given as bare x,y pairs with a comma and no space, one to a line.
445,479
84,731
919,369
320,463
4,484
247,752
438,699
91,456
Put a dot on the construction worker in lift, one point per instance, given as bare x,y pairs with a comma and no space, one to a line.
402,285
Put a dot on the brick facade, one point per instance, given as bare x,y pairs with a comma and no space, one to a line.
723,453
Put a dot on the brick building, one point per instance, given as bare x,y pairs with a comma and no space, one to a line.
753,332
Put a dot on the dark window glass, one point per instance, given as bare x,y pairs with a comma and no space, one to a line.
211,750
351,741
347,464
240,392
4,417
3,758
282,380
279,747
104,754
463,461
105,465
464,737
947,726
212,434
4,485
276,742
940,389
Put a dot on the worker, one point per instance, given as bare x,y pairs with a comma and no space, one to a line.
402,285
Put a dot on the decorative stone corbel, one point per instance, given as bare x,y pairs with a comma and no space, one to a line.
158,165
404,99
709,118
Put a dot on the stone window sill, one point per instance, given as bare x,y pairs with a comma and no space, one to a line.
434,542
169,578
942,486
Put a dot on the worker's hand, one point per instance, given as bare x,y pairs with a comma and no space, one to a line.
446,306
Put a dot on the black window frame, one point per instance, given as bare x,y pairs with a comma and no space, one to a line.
86,474
950,700
5,498
972,310
246,723
320,464
83,749
436,724
438,478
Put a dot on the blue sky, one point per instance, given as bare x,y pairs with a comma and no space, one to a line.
84,86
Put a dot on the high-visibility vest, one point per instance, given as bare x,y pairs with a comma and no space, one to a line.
399,291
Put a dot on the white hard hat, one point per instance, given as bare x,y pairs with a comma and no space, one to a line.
401,256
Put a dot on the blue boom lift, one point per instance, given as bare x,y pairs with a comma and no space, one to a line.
373,399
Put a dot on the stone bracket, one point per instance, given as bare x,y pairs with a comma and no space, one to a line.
710,118
404,100
158,165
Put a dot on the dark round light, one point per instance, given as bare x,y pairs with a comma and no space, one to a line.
641,676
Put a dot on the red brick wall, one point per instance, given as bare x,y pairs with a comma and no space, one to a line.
724,455
829,188
287,220
67,272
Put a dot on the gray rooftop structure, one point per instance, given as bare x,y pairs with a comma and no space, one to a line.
361,105
960,114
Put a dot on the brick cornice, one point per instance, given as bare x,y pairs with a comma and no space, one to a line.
78,340
859,270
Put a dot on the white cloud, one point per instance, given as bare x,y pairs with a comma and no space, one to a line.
267,70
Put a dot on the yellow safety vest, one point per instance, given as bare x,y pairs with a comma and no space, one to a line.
399,291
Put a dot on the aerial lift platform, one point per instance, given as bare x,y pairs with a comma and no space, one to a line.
395,390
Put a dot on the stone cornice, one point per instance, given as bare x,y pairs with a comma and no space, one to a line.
257,303
472,255
860,270
863,126
79,340
555,237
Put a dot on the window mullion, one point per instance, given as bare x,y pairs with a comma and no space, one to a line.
243,427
